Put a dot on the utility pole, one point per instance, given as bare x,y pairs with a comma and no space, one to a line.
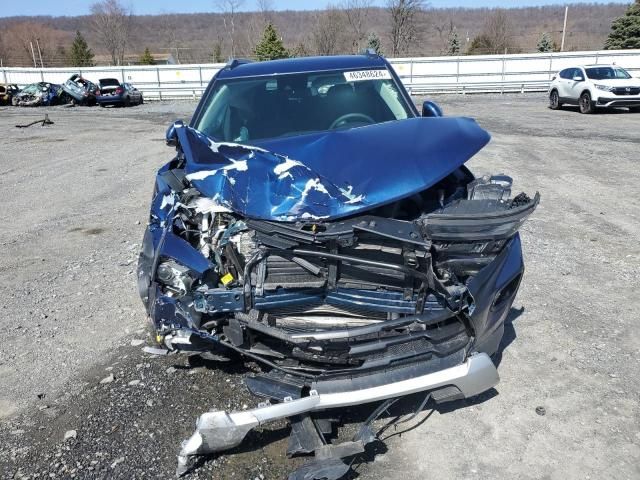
564,28
39,52
33,55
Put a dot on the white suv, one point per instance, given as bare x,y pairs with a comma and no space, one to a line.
592,86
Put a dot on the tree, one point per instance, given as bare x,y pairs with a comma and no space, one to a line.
3,51
21,37
299,51
404,23
265,7
270,47
81,55
453,47
373,43
146,58
545,44
625,31
216,56
229,10
495,36
327,33
173,36
356,12
111,21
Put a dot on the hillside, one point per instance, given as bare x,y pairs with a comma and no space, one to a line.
192,38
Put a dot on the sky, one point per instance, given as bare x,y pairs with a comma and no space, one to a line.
149,7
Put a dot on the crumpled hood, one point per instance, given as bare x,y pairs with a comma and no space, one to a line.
331,174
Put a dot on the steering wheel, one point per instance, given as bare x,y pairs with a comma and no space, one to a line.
344,119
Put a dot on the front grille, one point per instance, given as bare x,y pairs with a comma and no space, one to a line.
626,90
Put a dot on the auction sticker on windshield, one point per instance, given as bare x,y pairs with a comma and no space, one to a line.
361,75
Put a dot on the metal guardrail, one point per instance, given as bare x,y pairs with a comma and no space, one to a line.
425,75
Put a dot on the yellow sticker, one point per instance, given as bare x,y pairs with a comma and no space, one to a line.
226,279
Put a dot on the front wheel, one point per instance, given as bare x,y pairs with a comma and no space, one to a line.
586,104
554,101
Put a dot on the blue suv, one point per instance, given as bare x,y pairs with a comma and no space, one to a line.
315,223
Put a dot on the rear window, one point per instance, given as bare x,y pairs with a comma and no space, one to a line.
109,82
566,73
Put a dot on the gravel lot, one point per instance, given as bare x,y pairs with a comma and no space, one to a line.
76,199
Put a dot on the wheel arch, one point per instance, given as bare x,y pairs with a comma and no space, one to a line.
587,90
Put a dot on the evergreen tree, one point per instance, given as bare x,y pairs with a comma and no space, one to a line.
146,58
373,43
454,44
625,31
81,55
270,47
545,44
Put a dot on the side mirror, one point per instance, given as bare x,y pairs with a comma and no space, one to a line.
431,109
578,79
171,136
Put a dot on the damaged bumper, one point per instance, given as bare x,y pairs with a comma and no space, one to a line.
344,303
219,430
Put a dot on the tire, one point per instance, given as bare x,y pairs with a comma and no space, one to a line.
127,102
554,100
587,106
102,105
141,100
634,109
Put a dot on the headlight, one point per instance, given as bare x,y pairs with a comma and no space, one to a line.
604,87
174,276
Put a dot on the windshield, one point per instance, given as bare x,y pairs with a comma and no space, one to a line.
607,73
241,110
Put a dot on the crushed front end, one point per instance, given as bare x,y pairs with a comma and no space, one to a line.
397,298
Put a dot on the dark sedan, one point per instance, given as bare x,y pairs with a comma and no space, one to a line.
112,92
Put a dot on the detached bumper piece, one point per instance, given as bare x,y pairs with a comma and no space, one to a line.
218,431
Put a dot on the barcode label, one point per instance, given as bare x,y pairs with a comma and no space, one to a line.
361,75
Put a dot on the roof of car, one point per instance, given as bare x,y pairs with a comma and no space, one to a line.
304,64
599,65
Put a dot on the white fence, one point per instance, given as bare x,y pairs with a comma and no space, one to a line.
462,74
501,73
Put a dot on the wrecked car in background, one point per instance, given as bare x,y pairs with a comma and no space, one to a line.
314,223
40,94
81,90
112,92
7,91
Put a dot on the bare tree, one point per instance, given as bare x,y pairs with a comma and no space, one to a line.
30,43
327,32
173,36
265,7
404,23
357,12
229,10
3,51
496,36
111,21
